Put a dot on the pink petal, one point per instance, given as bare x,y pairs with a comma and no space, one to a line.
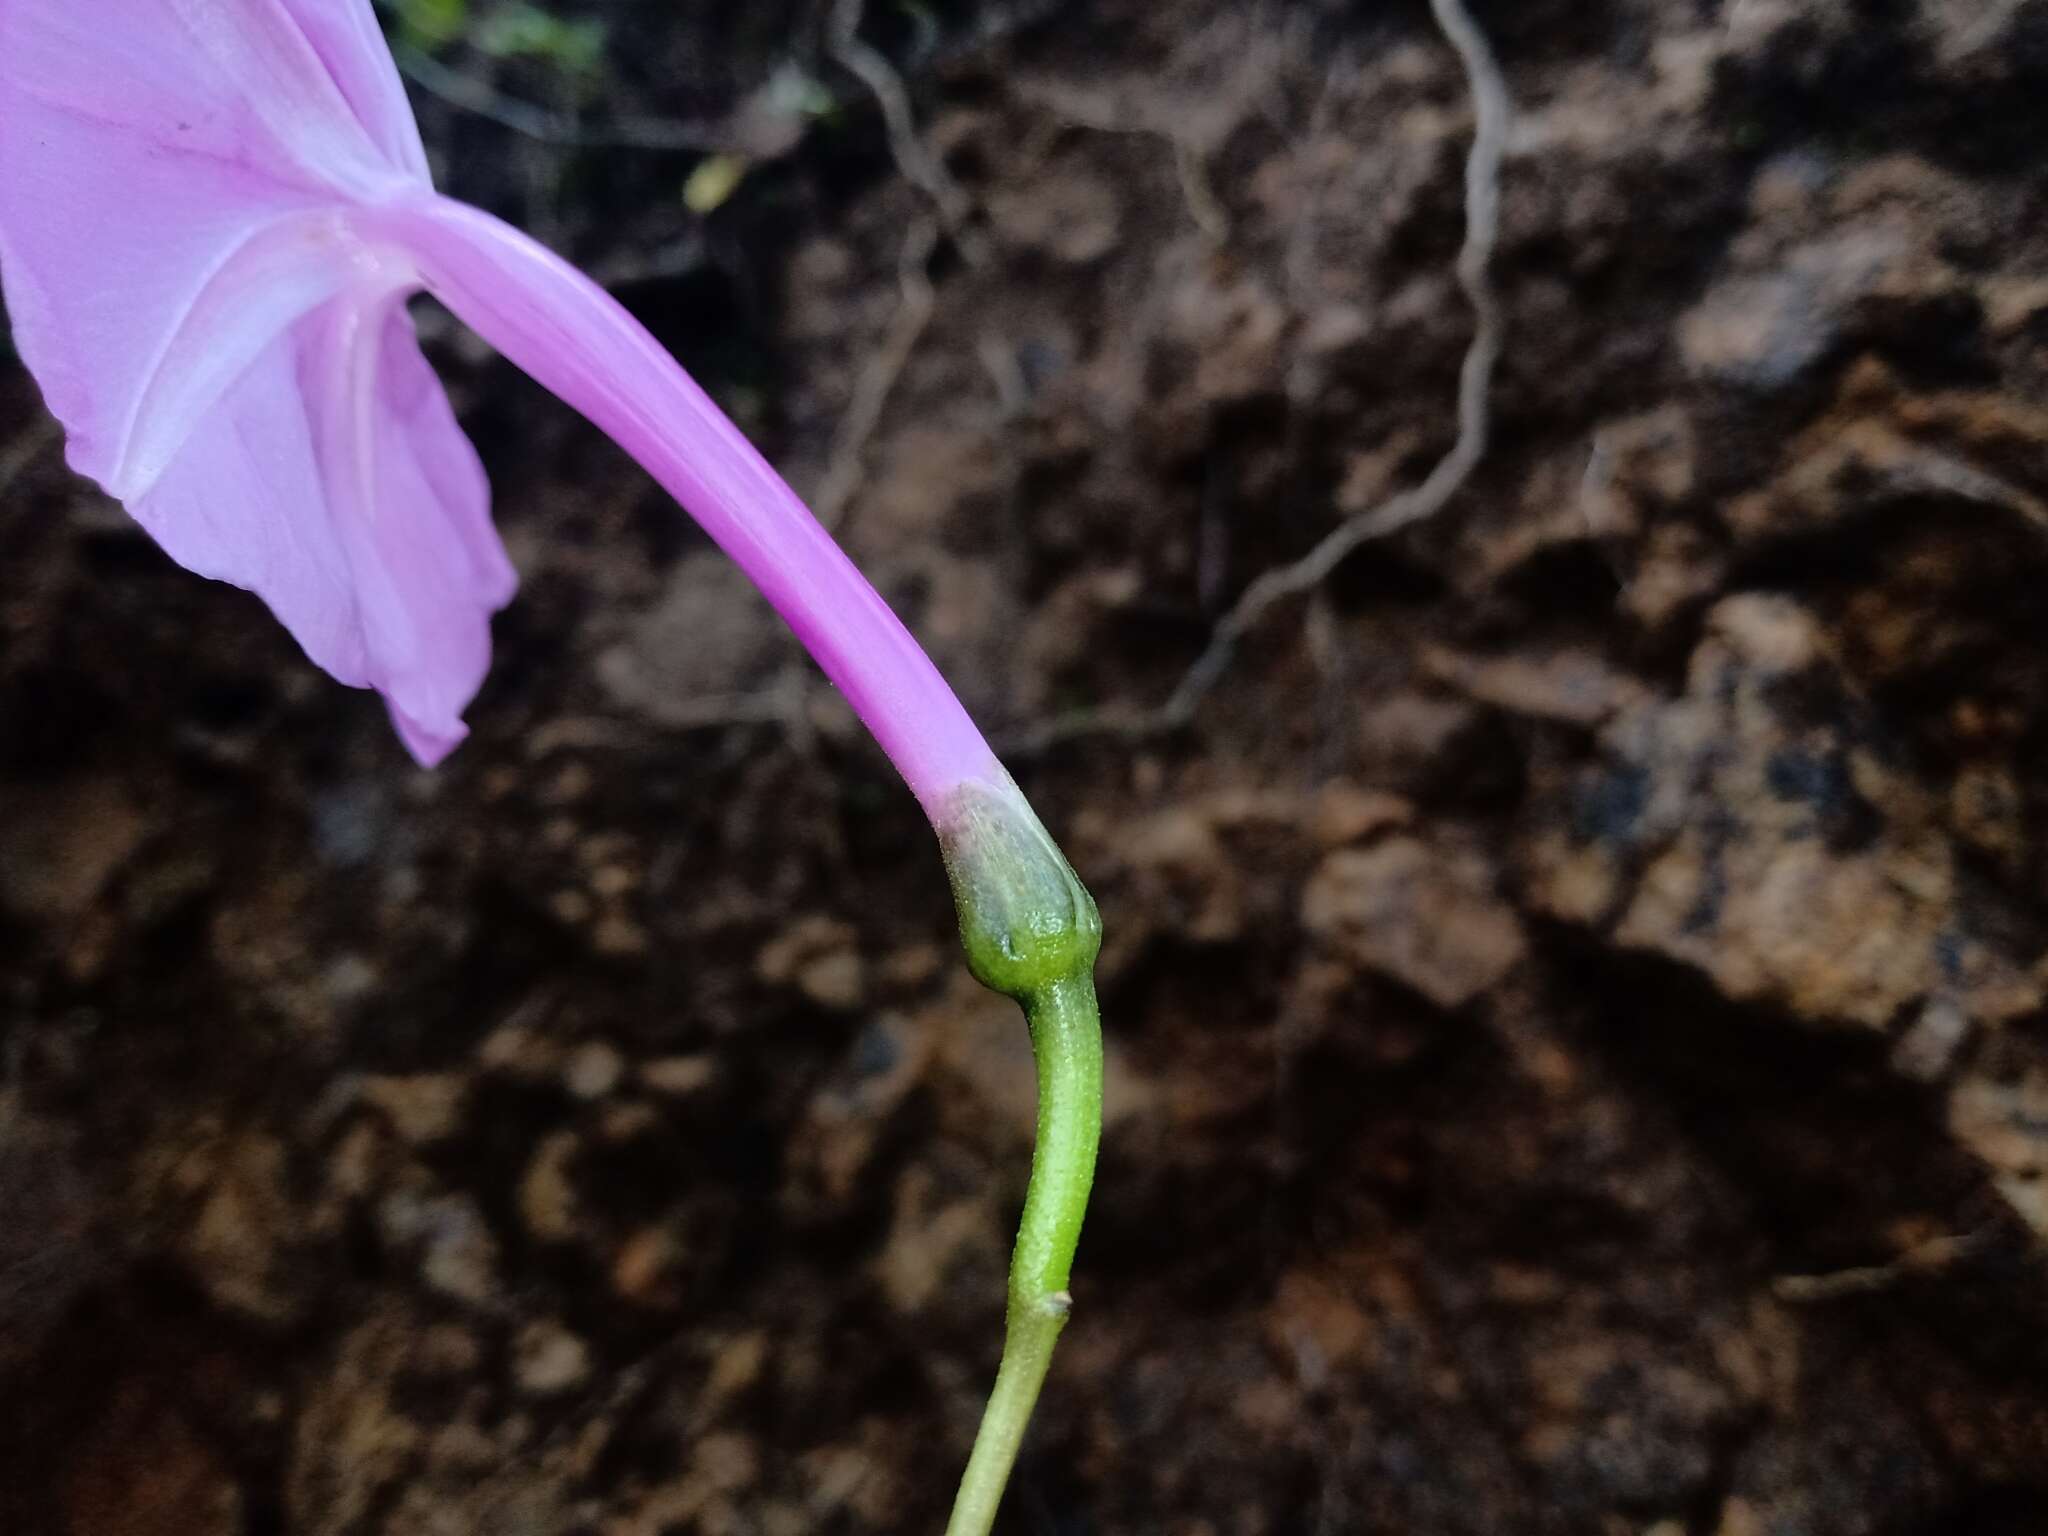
345,35
94,308
333,481
179,187
239,81
151,151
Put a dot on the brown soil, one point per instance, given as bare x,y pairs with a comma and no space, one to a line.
1575,995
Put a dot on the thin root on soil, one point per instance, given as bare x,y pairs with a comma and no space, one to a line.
1492,111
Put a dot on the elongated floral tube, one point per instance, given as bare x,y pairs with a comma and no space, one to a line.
576,339
212,213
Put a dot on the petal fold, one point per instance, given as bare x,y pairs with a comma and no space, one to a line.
344,33
333,481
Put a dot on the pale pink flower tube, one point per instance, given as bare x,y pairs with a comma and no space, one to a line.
573,337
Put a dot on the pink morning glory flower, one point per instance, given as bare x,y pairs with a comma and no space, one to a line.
212,213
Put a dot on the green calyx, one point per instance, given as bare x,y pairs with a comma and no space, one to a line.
1026,921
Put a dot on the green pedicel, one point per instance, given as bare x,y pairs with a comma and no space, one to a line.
1031,932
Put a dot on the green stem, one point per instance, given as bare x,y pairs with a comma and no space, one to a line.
1066,1038
1031,932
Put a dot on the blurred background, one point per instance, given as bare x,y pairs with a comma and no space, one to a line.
1577,986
